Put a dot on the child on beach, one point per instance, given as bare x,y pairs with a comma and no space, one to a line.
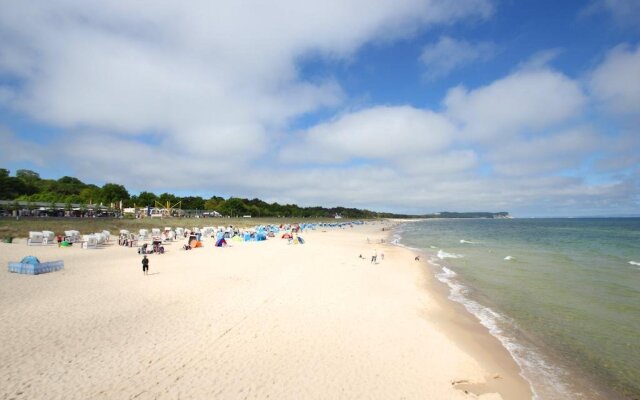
145,265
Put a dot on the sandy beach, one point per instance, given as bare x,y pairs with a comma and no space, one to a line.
254,320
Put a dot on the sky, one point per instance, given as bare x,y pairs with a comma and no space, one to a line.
408,106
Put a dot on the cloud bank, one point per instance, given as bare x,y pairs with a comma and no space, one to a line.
206,99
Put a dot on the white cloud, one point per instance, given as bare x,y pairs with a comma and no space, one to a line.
525,100
539,155
211,79
448,54
624,12
616,82
383,133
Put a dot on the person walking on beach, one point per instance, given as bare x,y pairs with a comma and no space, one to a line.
374,257
145,265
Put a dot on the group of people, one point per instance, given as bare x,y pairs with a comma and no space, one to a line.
374,257
127,240
156,247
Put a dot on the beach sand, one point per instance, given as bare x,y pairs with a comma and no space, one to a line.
254,320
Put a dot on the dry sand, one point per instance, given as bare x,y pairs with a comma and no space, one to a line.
253,320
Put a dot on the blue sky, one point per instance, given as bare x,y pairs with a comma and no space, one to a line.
409,106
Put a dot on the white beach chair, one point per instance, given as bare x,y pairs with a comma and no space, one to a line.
124,232
207,231
72,236
155,232
179,231
35,238
143,234
100,238
107,236
48,237
89,241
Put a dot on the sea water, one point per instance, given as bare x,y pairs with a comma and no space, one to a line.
562,295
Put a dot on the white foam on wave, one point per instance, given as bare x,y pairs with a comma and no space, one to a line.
634,263
465,241
509,258
443,254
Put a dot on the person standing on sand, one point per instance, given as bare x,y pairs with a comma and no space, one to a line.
145,265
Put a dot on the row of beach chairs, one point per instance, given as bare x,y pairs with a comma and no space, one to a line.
72,236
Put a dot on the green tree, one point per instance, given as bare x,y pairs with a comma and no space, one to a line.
192,203
90,195
214,203
11,188
167,197
31,180
27,175
233,207
112,193
145,199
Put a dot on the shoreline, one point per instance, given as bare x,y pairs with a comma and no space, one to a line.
467,330
255,319
547,374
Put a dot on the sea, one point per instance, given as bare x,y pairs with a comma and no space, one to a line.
562,295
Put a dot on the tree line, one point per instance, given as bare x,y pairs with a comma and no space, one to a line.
27,185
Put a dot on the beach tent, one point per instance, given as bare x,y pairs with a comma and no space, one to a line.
286,236
260,236
221,242
247,236
300,240
193,242
32,266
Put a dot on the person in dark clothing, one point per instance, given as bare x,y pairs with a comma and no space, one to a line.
145,265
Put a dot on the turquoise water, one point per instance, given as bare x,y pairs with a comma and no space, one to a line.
563,295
